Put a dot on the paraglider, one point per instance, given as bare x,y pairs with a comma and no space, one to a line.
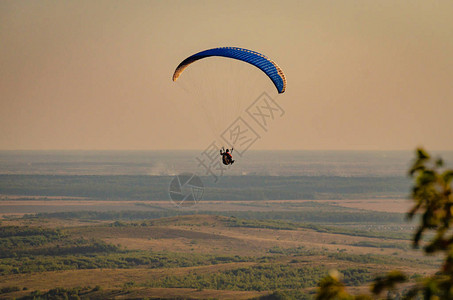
221,103
227,158
262,62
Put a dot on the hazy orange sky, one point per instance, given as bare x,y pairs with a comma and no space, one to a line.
363,75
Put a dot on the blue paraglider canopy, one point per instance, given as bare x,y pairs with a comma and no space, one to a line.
262,62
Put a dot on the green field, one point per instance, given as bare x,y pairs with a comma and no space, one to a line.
192,256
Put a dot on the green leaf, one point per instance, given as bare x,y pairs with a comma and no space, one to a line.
422,154
417,167
426,177
388,282
447,176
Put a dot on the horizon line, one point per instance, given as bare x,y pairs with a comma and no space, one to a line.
193,149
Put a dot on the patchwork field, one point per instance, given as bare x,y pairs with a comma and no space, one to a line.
192,257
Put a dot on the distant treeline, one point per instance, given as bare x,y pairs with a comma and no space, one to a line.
261,278
123,187
309,215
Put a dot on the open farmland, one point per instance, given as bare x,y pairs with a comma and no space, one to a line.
194,256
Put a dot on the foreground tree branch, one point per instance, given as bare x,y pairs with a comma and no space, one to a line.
433,203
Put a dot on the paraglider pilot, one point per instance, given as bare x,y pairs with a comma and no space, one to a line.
227,158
